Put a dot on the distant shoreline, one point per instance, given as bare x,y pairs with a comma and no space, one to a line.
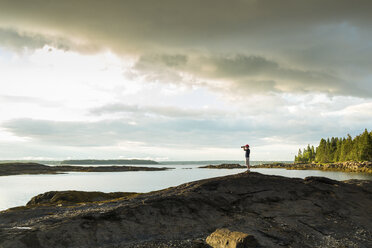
9,169
350,166
108,161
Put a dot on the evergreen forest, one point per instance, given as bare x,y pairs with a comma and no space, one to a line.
338,150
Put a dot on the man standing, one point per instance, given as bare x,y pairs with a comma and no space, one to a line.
247,153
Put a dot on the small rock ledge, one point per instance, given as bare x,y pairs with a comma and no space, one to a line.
224,166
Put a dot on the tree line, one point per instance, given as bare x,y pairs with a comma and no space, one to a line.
338,150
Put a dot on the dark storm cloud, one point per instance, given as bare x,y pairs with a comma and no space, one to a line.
18,40
292,45
180,22
240,65
159,68
11,38
176,60
254,73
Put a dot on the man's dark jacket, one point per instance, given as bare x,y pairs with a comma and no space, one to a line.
247,152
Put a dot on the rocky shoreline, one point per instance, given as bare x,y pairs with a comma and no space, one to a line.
223,166
276,211
8,169
362,167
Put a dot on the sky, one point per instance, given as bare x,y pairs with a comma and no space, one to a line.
181,80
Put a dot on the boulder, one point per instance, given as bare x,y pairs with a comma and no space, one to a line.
224,238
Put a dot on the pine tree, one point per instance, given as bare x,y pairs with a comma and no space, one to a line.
346,147
327,156
354,154
337,156
312,154
321,151
365,147
333,147
299,156
309,153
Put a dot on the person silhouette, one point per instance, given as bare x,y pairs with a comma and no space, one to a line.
247,153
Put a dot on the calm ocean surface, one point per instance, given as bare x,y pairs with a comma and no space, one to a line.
18,190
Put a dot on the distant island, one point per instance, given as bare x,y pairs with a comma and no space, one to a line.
223,166
8,169
337,149
109,161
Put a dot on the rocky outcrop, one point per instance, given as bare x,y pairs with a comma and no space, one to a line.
277,211
363,167
71,196
7,169
224,238
224,166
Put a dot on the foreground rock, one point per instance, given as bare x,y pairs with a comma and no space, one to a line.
277,211
224,166
224,238
7,169
361,167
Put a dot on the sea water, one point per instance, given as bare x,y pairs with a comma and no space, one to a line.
19,189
